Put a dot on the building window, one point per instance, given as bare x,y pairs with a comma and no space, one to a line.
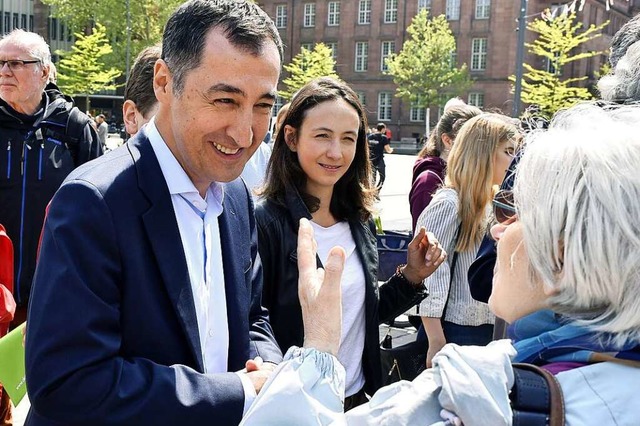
476,99
54,28
483,9
333,17
281,16
309,15
31,23
334,50
362,97
384,106
362,56
417,113
276,108
308,46
364,12
390,11
478,54
388,47
16,20
453,59
424,4
453,10
23,21
7,22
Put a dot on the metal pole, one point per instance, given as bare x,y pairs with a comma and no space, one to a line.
128,40
519,58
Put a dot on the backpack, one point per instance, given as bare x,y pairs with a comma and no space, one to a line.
536,397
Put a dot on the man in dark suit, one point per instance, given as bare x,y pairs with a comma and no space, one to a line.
146,305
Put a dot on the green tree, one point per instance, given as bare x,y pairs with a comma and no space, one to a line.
423,70
147,22
82,70
307,65
558,43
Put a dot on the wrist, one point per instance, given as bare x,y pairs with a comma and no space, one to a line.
405,273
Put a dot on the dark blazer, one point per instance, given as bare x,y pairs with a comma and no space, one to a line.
112,331
278,242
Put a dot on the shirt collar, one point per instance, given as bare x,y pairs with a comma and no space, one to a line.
179,182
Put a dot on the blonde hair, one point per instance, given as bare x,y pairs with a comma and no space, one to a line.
470,171
577,192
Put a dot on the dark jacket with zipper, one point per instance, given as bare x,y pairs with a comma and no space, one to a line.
277,243
37,153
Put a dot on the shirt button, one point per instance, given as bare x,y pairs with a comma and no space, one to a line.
210,333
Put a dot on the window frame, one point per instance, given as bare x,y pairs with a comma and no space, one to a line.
480,55
364,13
383,56
452,10
385,108
361,58
281,18
484,7
309,15
390,11
335,14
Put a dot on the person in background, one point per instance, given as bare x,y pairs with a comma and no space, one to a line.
429,168
458,216
146,304
103,130
319,170
43,137
379,143
621,84
140,103
577,256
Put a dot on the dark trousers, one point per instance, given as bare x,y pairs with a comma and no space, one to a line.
379,168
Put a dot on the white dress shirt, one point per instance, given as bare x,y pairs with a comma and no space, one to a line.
200,234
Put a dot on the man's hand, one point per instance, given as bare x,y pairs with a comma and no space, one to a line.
259,371
424,256
320,293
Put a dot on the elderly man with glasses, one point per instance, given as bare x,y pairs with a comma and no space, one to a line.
43,137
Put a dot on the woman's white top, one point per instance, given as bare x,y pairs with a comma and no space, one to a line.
353,310
441,218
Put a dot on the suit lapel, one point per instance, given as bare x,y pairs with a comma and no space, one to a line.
164,237
235,245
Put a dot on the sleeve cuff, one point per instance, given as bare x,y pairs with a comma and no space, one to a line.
249,392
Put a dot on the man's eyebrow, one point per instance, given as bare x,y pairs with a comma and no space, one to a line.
227,88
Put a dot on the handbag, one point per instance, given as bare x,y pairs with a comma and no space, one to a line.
406,362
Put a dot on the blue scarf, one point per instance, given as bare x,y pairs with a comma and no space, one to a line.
545,337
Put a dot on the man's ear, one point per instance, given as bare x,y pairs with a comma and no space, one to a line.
290,137
162,82
129,110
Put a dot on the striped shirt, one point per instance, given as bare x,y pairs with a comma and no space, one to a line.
441,218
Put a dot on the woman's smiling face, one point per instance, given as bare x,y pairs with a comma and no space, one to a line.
325,143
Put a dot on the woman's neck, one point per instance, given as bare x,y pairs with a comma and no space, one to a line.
323,215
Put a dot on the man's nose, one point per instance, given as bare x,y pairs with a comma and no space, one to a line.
5,69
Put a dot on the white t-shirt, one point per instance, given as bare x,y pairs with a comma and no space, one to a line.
353,310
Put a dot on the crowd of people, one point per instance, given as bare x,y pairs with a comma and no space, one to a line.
162,283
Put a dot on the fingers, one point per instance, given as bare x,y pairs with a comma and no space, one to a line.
418,240
306,251
333,269
253,364
435,254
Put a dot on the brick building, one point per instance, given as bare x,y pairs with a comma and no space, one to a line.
363,32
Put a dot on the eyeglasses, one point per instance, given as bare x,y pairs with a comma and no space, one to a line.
503,206
17,64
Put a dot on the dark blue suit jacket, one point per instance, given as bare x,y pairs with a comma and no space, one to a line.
112,333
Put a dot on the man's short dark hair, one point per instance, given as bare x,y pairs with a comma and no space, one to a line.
101,116
139,88
625,37
380,127
245,25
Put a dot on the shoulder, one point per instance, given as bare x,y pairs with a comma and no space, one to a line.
606,388
104,170
269,213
